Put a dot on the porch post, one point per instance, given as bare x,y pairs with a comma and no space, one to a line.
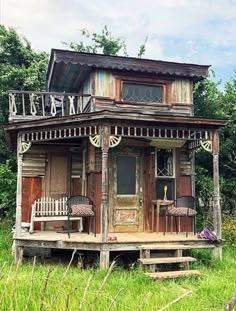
104,206
216,198
19,187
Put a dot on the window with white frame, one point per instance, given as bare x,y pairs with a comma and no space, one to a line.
165,173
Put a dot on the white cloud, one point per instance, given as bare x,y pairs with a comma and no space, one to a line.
183,30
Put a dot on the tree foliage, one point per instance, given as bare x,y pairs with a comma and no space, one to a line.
104,43
21,68
210,101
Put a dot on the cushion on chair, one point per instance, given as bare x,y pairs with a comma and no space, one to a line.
82,210
181,211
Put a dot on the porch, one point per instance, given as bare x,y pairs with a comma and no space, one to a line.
100,143
123,242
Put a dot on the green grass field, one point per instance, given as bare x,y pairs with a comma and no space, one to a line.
44,286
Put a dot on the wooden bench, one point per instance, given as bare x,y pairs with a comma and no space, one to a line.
49,209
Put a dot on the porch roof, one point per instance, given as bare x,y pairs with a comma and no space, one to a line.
89,123
67,69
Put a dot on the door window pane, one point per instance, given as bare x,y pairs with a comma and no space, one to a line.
126,175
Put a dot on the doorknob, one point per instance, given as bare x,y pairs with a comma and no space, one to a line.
140,201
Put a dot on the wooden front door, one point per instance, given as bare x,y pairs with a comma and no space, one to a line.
57,181
126,191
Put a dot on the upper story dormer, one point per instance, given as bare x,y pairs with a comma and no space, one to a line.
83,83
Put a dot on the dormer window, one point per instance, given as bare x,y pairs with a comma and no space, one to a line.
143,93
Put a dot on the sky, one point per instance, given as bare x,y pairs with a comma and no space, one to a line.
189,31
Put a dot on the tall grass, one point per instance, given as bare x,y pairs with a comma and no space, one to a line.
42,286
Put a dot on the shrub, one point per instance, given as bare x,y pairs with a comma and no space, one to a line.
229,230
7,189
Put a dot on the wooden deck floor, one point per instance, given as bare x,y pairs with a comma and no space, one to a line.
120,237
124,241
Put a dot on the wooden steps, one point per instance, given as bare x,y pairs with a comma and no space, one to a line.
156,256
173,274
165,260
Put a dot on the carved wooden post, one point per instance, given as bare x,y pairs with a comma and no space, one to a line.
19,186
104,254
104,207
216,198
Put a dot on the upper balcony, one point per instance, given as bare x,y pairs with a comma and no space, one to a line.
28,105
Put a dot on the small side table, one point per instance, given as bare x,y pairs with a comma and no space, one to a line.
157,204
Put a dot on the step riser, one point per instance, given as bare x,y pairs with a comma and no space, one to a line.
168,260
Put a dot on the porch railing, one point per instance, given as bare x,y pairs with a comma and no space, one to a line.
30,104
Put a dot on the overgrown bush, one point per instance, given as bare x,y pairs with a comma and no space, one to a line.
7,190
229,230
204,195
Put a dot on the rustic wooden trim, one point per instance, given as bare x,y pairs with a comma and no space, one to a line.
142,78
118,90
104,205
216,197
19,186
47,135
160,132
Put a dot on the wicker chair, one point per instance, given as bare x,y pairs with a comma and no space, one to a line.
81,206
184,206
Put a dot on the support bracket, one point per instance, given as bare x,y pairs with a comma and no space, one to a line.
25,146
206,145
114,140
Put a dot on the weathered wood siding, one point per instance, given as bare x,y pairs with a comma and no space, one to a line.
94,180
183,172
104,84
34,162
181,92
31,190
107,87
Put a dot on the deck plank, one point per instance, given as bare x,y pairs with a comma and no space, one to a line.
173,274
165,260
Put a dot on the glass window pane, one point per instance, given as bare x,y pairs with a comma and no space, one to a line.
142,93
165,162
126,175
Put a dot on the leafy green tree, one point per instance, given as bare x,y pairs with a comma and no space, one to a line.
21,68
104,43
7,189
211,102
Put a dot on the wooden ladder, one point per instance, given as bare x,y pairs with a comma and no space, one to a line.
175,256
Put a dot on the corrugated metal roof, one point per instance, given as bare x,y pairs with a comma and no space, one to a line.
63,62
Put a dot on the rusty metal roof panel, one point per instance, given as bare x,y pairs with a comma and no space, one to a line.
63,58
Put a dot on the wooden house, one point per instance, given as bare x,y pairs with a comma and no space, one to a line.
119,130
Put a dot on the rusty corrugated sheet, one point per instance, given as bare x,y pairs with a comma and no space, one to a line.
67,68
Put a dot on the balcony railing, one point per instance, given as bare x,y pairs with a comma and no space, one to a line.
27,104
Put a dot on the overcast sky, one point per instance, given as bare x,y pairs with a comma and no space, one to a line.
195,31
